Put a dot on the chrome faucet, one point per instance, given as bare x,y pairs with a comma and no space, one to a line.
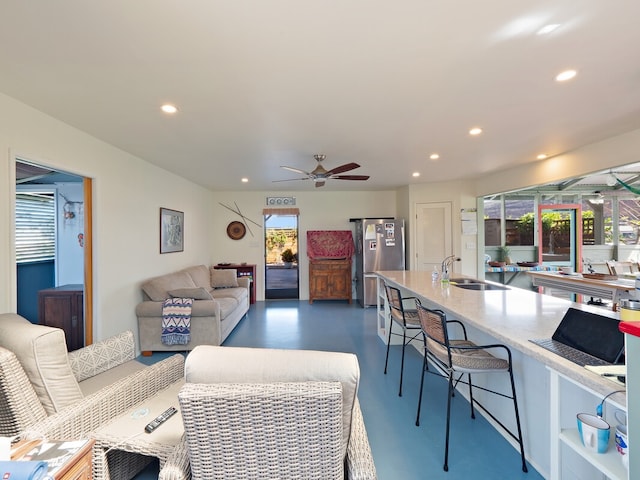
447,263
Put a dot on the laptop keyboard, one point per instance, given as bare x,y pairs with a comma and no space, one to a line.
570,353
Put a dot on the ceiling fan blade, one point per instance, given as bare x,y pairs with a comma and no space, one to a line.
343,168
296,170
292,179
319,184
352,177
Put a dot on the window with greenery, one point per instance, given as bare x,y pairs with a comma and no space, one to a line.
492,221
35,226
520,220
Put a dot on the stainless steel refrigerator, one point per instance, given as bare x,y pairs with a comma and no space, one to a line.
379,246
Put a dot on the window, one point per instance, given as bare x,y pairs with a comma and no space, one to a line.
35,226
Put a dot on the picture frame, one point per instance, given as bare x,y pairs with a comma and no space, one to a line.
171,231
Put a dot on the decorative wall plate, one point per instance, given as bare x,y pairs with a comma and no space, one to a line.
236,230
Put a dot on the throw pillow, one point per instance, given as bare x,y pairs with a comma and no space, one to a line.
224,278
199,293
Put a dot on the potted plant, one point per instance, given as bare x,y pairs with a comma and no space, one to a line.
288,257
504,254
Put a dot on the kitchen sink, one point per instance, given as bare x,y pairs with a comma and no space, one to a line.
475,284
480,286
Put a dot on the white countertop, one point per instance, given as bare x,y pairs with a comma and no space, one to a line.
512,316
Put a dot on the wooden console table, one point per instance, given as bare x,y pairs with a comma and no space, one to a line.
243,270
63,307
330,280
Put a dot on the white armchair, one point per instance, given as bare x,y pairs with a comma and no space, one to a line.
265,413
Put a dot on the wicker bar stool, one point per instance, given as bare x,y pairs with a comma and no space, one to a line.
406,318
453,358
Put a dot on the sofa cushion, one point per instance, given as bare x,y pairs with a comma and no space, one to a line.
262,365
224,278
227,307
239,293
108,377
158,287
197,293
42,352
200,276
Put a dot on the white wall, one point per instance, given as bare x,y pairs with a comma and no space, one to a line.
69,252
128,193
319,210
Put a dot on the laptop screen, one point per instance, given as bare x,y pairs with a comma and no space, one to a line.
594,334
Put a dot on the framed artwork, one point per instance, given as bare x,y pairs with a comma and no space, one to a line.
171,231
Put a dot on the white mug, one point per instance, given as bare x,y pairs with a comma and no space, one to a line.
622,441
594,432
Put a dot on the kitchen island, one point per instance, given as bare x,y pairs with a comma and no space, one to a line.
551,390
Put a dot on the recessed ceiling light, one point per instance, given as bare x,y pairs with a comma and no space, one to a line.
167,108
547,29
434,156
542,156
566,75
245,180
416,174
475,131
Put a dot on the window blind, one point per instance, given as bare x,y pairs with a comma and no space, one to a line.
35,227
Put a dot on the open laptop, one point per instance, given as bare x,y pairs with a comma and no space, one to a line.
587,339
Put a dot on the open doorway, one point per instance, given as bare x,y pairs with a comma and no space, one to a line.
53,250
560,235
281,256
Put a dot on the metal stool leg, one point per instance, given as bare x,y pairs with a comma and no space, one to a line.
473,413
515,407
446,444
386,361
424,367
404,344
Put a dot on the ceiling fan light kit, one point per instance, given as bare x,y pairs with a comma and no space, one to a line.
319,175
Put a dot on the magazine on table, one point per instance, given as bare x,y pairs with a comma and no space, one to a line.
54,453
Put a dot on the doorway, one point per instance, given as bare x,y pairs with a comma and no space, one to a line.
281,256
434,234
559,235
53,250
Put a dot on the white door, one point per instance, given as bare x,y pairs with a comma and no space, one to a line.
433,234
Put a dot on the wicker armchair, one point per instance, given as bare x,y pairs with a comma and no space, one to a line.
263,413
47,392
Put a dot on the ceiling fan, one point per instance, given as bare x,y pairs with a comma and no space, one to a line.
319,174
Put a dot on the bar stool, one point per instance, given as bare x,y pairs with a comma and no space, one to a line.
453,358
406,318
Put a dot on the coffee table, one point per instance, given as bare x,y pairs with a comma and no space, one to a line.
122,447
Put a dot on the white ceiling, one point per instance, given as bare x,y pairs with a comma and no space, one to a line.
261,84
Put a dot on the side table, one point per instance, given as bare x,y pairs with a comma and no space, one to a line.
122,446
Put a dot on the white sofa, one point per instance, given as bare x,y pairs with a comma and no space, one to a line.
220,301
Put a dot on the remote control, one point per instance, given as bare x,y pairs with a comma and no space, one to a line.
160,419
